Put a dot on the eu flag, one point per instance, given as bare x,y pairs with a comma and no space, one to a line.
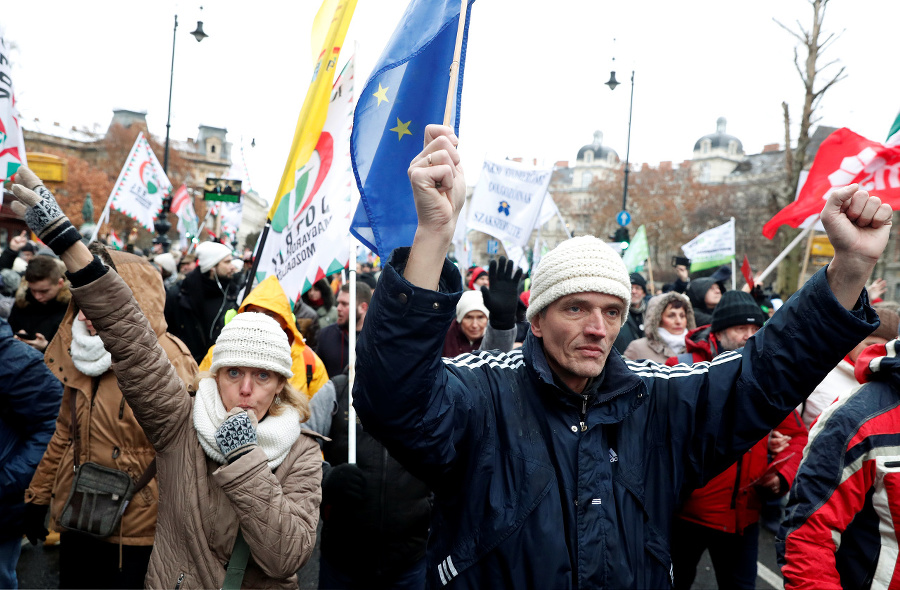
406,92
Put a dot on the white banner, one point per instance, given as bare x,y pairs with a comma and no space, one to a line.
310,229
12,143
139,190
507,200
711,248
548,210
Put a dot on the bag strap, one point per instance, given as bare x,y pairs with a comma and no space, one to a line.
237,565
310,360
148,473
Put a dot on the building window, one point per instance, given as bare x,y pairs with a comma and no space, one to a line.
589,157
586,179
212,149
732,148
611,159
705,146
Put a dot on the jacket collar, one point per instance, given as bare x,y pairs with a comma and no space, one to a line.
614,389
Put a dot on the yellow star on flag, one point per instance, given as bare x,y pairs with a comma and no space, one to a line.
381,95
402,129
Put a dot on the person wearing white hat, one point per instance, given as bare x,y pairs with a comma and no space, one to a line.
240,482
560,464
196,307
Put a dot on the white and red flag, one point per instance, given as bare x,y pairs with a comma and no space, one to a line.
843,158
12,142
183,208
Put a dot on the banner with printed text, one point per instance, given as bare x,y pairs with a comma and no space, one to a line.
139,190
507,200
12,143
310,233
712,248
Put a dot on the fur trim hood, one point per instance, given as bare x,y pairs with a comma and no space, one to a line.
63,297
655,308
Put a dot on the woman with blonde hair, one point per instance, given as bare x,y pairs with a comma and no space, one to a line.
239,483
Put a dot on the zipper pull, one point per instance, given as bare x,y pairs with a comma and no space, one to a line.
584,401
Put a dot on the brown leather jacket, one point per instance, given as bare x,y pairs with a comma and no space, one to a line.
202,503
108,432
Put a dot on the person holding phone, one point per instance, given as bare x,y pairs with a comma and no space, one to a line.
39,309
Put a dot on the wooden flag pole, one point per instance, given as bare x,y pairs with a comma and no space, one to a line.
454,67
650,273
786,251
809,245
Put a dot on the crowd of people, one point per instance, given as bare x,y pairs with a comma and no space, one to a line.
571,428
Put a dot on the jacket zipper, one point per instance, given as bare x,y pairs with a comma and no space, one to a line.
737,484
180,580
584,401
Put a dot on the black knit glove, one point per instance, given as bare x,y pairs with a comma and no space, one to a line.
237,435
344,484
501,298
42,213
35,517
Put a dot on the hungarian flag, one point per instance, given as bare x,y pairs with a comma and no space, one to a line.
12,143
843,158
115,241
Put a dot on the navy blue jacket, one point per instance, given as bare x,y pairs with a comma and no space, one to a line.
525,497
29,402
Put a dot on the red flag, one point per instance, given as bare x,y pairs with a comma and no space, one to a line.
179,199
748,274
843,158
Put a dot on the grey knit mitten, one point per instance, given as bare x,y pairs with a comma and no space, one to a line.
42,213
237,435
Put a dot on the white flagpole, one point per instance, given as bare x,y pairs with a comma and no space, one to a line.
733,268
563,222
351,415
786,251
104,217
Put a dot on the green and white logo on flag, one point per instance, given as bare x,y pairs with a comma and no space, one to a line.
139,190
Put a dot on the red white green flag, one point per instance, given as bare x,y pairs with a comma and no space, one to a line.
139,190
12,142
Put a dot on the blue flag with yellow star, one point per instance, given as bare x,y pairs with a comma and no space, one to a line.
406,92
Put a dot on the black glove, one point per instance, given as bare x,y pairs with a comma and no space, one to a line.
344,484
35,517
42,214
502,297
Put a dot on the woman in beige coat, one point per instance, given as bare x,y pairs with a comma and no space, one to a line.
232,461
667,320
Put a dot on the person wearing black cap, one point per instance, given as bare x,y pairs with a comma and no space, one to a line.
633,328
723,515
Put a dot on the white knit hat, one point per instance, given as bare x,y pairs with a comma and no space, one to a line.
253,340
166,262
470,301
578,265
210,254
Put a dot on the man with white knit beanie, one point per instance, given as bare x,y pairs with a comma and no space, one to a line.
560,464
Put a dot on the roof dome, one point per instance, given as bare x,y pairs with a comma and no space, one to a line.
600,151
720,139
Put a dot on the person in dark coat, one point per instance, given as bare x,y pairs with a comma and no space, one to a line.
559,465
41,302
196,307
704,294
29,403
333,345
633,328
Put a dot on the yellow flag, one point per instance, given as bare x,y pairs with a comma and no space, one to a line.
315,105
321,24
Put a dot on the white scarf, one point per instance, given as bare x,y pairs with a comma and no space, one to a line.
275,434
88,353
673,341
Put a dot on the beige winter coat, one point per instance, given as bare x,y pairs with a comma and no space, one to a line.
108,432
201,503
651,346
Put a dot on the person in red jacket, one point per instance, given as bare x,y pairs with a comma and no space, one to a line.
722,515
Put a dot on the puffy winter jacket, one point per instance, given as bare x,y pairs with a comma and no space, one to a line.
840,530
29,403
537,487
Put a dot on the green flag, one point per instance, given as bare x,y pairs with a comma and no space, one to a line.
893,136
638,251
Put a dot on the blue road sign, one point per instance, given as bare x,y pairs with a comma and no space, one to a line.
493,246
624,218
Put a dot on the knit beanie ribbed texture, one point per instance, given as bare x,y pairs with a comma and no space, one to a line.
470,301
210,254
736,308
253,340
579,265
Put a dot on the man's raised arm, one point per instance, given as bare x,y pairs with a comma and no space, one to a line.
858,226
439,190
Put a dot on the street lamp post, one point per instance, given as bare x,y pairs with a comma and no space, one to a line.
161,223
612,86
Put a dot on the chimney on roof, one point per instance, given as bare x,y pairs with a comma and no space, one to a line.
562,164
665,165
772,147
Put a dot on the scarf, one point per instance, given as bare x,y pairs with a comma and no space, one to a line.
673,341
275,434
88,353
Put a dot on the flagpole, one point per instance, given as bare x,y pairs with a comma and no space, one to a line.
351,416
809,245
787,251
454,66
650,272
733,268
563,223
